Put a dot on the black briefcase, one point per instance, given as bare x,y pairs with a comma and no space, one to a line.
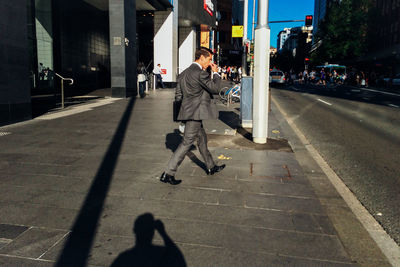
177,108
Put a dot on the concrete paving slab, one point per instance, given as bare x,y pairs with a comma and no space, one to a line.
207,256
33,243
8,261
12,193
36,215
3,243
9,231
36,169
249,239
104,250
307,205
360,246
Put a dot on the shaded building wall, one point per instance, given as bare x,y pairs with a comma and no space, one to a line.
82,44
15,98
387,22
193,10
122,17
230,48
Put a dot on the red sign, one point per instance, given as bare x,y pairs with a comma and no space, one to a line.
163,71
209,6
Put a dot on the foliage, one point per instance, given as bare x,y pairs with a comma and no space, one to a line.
343,32
284,60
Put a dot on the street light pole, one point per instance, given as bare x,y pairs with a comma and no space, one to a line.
252,36
245,20
261,75
244,39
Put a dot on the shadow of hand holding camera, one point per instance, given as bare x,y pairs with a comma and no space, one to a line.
144,253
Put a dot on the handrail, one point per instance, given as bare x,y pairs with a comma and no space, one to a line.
62,86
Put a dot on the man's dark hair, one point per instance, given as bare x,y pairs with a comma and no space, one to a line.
202,51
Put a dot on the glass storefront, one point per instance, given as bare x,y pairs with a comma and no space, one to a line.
40,37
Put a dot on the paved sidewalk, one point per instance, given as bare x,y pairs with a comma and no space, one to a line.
72,188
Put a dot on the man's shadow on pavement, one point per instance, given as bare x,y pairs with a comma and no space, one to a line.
172,142
144,253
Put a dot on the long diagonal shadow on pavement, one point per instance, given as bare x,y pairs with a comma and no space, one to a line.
80,240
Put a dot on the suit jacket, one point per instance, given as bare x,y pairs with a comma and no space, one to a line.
196,88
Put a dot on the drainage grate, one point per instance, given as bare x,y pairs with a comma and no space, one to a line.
4,133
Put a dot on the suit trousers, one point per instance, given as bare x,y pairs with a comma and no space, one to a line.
193,131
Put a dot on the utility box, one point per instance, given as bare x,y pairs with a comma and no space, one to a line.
246,102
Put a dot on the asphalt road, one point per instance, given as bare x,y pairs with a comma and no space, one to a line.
360,140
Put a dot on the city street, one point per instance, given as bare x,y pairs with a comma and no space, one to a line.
76,182
357,132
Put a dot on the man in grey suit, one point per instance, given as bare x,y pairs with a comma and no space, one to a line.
196,88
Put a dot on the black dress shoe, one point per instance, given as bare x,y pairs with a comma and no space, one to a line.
215,169
166,178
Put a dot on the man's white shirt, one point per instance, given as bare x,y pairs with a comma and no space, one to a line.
157,70
202,69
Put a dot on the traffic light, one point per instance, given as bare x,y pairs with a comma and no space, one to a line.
309,19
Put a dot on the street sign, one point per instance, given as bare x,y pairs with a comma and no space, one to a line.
209,6
237,31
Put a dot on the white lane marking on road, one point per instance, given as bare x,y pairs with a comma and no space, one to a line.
320,100
4,133
378,234
392,105
381,92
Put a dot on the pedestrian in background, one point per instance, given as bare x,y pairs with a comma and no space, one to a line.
41,71
197,87
224,76
141,76
157,73
305,76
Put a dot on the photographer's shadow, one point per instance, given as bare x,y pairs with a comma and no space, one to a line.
172,142
144,253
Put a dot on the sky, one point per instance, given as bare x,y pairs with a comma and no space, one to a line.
287,10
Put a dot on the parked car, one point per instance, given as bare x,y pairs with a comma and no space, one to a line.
396,80
277,76
387,81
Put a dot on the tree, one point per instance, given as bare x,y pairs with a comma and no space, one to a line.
343,32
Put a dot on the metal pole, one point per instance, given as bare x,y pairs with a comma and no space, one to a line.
245,22
253,37
254,19
261,75
62,93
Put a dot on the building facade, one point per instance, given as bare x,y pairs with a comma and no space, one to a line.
299,40
384,32
229,49
320,8
97,43
282,37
